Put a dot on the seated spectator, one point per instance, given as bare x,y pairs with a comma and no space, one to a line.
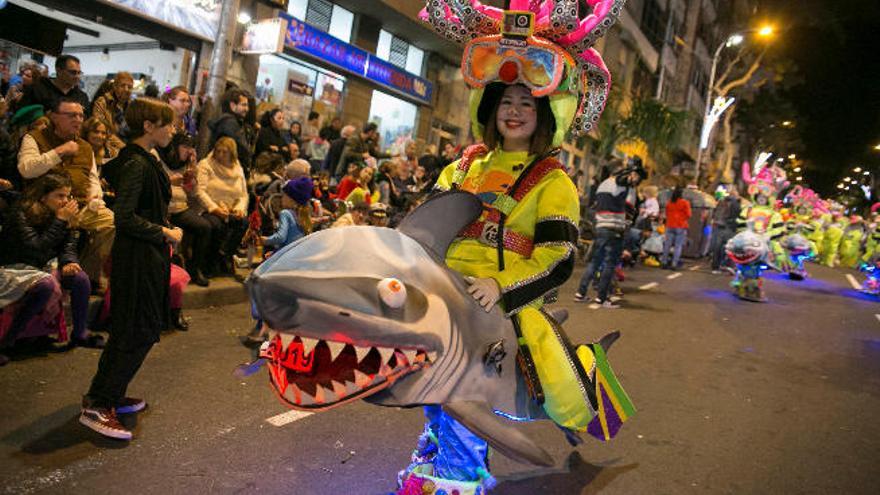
179,99
179,160
37,229
268,168
24,121
47,91
311,129
294,220
221,189
403,180
362,146
378,215
270,138
421,181
25,294
388,193
59,148
109,109
356,214
350,181
364,187
95,133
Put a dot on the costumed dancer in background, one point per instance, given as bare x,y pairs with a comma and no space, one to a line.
851,243
762,219
800,227
870,265
530,83
834,227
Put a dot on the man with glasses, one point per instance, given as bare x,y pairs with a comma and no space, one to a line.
59,148
65,84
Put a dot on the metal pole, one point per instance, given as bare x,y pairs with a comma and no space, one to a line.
221,59
706,112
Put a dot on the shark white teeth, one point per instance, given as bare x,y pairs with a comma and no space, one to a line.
308,345
385,370
361,352
386,354
286,339
401,358
361,379
339,389
351,388
307,400
432,356
335,349
410,355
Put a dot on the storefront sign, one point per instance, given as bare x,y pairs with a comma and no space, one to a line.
199,17
266,36
298,87
390,75
306,39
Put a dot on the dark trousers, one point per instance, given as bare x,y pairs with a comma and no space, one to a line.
720,236
80,288
116,368
197,229
226,235
607,248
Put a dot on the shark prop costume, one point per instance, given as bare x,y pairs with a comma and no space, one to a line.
384,315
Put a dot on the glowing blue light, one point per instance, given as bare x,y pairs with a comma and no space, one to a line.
511,416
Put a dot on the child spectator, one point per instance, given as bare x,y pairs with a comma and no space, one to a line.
294,221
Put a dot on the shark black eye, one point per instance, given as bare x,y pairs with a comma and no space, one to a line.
392,292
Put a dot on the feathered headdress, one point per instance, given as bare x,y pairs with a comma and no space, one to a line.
766,180
543,44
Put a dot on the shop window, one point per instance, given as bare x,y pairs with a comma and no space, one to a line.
400,52
325,16
396,120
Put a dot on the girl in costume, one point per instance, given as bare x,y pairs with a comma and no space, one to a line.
800,228
851,243
761,218
833,234
526,85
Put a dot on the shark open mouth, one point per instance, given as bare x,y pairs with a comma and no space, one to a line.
744,258
315,374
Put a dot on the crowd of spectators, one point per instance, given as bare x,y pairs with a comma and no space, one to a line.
263,181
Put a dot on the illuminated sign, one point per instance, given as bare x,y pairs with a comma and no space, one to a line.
266,36
308,40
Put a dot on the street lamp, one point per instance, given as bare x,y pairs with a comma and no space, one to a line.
797,169
244,17
734,39
857,169
792,156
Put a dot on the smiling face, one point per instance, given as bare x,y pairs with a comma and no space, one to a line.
97,136
517,118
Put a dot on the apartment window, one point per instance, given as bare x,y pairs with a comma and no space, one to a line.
698,79
325,16
654,24
399,52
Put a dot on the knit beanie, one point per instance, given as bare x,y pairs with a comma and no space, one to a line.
299,189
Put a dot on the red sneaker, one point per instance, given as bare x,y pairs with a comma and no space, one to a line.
105,422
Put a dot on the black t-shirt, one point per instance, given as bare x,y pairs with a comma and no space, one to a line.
45,92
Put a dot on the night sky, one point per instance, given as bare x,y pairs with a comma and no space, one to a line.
836,47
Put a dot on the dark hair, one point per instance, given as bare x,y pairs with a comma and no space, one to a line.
268,161
542,138
31,203
234,95
268,115
146,109
151,91
370,127
313,115
676,194
61,62
104,88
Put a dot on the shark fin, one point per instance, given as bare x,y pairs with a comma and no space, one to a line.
608,340
511,442
437,222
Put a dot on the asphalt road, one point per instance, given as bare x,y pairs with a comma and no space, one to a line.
732,397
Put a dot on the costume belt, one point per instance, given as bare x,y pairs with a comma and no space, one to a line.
487,233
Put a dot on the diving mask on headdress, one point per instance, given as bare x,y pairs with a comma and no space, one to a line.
535,63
